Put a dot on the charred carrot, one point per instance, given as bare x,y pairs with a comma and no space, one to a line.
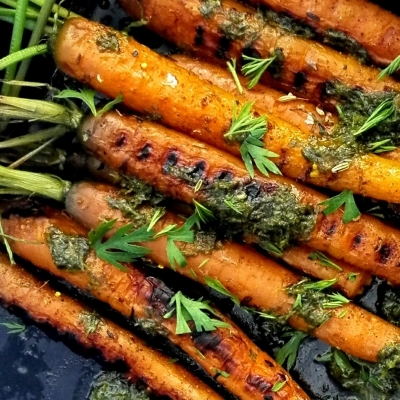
226,29
225,353
153,85
174,164
20,288
361,25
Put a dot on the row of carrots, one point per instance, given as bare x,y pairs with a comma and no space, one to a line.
170,89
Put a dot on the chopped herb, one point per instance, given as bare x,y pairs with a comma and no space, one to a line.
204,214
352,276
319,285
351,212
297,303
87,96
255,67
343,313
203,263
159,213
278,386
393,67
194,276
232,69
382,112
14,327
198,186
199,353
382,146
271,248
335,300
6,243
187,310
90,320
119,248
232,205
323,260
173,360
288,352
288,97
221,373
215,284
262,314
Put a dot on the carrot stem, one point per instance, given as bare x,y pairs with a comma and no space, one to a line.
14,58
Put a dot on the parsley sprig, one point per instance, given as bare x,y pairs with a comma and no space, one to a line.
393,67
119,247
288,352
87,96
346,198
198,311
249,130
255,67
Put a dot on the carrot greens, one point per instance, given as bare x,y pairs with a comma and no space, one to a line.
255,67
215,284
393,67
346,198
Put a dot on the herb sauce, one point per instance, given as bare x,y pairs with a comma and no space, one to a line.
68,251
108,42
90,320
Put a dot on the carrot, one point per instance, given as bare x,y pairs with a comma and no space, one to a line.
20,288
226,353
152,84
228,31
376,30
174,163
245,273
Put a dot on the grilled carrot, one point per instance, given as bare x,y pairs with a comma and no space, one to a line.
220,33
87,196
253,273
174,163
376,30
247,371
20,288
154,85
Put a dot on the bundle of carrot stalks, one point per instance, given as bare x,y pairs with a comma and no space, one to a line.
335,129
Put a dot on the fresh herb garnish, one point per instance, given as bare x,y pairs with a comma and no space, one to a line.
382,112
319,285
233,205
335,300
221,373
288,352
187,310
198,185
351,211
119,248
382,146
352,276
203,213
249,130
14,327
393,67
158,214
215,284
323,260
343,313
287,97
255,67
298,302
87,96
232,69
278,386
271,248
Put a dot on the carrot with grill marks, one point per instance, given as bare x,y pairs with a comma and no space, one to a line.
376,30
156,155
38,299
246,273
228,31
152,84
247,372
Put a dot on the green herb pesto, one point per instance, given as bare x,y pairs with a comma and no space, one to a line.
289,24
108,42
341,41
90,320
390,306
241,26
372,381
341,146
271,212
208,7
112,386
151,326
204,242
311,304
68,251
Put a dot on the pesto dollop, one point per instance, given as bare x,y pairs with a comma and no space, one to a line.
246,207
90,320
68,251
112,386
108,42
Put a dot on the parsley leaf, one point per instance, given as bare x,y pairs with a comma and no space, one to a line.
215,284
351,211
119,248
288,352
187,310
87,96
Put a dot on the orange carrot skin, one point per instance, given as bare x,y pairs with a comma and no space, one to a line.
307,66
87,203
20,288
200,109
361,333
252,373
376,29
118,141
